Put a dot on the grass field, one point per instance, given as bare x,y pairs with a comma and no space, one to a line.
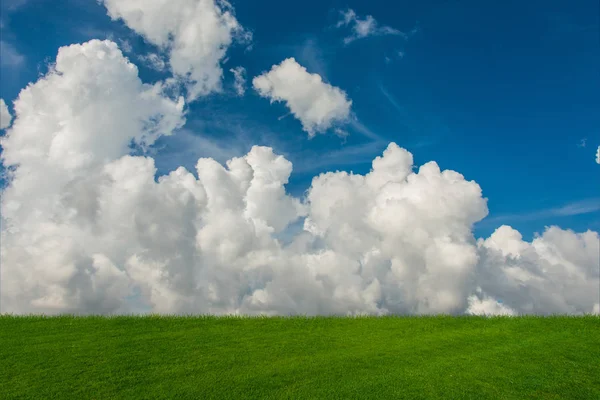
319,358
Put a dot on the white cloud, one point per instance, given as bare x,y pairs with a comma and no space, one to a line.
556,273
195,33
154,61
5,117
317,104
72,127
239,75
87,229
363,28
125,45
598,155
484,305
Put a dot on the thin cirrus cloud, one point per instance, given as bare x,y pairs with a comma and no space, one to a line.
364,27
581,207
9,55
315,103
88,229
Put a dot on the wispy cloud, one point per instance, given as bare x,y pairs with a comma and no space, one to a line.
422,128
313,56
580,207
239,76
186,147
346,156
310,162
9,55
12,5
153,61
391,99
364,130
364,27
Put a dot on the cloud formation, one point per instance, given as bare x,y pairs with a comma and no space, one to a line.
5,117
363,28
88,229
239,76
9,55
317,104
153,61
194,33
598,155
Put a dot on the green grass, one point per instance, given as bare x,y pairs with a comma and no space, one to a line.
318,358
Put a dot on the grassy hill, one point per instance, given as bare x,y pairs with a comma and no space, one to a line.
155,357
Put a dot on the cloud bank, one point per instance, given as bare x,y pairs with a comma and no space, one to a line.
88,229
194,33
317,104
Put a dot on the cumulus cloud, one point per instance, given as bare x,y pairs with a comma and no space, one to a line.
5,117
363,28
239,84
483,305
317,104
558,272
194,33
88,229
598,155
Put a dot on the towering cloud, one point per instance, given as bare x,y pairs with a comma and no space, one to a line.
195,33
72,127
317,104
88,229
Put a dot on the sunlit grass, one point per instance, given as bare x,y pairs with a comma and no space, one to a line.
203,357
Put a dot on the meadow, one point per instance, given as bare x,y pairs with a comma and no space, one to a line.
204,357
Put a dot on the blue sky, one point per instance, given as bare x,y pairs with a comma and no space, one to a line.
502,92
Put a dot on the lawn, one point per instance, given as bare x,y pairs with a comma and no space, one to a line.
440,357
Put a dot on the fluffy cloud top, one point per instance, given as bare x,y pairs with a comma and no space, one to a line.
362,28
598,155
194,33
239,76
5,117
88,229
317,104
